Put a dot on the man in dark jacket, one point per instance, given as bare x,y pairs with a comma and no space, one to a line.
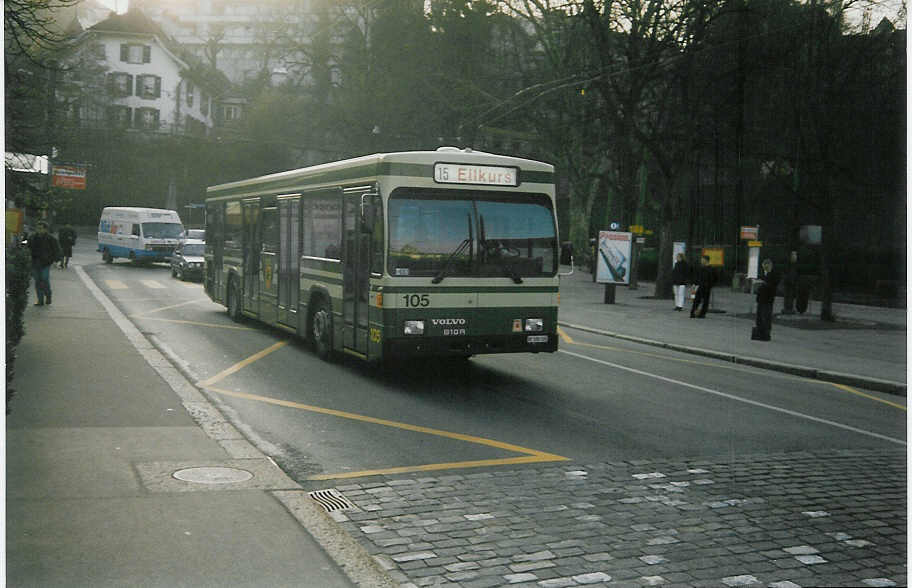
766,295
704,281
45,251
66,237
680,276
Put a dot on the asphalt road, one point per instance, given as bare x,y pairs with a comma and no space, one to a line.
594,401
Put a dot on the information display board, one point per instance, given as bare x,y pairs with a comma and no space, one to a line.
613,253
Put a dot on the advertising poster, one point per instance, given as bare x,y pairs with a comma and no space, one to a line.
716,256
613,257
69,176
678,247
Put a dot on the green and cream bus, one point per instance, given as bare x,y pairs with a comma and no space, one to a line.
429,253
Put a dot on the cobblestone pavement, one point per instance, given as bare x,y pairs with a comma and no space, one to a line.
832,518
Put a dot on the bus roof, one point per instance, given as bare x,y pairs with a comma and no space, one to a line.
405,163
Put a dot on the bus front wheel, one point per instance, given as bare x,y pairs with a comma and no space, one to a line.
234,300
107,257
321,329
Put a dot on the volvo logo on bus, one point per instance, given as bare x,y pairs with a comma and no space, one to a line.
458,323
452,321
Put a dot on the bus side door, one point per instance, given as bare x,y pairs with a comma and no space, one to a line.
215,236
269,270
251,261
355,275
289,259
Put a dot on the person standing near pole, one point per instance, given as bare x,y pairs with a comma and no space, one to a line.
680,276
45,251
705,280
67,238
766,295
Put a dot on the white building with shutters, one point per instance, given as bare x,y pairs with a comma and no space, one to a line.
126,72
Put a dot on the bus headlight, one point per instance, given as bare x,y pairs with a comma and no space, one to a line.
414,328
534,325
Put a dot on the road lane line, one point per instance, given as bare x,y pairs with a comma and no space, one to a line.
115,285
851,390
154,284
736,398
570,341
196,323
431,467
242,364
144,313
529,455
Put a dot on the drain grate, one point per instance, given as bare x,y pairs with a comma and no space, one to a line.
332,500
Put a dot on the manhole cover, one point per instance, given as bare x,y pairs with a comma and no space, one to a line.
212,475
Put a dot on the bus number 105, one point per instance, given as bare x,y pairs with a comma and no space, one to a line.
416,300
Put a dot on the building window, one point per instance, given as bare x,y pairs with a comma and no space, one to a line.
135,53
146,119
120,84
190,92
148,86
120,116
97,51
231,112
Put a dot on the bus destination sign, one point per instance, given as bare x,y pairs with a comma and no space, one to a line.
460,173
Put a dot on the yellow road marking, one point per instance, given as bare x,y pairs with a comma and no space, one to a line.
431,467
530,455
197,323
851,390
567,339
152,284
116,285
242,364
170,307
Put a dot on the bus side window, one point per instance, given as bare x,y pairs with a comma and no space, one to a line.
136,230
323,224
234,228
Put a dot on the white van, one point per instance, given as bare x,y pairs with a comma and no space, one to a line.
139,234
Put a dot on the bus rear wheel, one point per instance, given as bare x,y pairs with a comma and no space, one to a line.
234,300
321,329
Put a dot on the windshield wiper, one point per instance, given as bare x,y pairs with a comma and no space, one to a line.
507,267
483,243
466,243
442,273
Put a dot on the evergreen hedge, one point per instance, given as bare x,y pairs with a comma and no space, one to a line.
18,274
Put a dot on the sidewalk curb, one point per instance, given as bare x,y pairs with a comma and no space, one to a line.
355,561
886,386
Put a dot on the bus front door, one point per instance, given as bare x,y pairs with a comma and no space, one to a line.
355,276
252,246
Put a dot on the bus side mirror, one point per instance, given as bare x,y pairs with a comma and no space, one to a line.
368,212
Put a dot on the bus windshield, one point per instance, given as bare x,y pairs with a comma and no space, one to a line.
162,230
471,233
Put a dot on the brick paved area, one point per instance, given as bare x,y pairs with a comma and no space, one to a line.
832,518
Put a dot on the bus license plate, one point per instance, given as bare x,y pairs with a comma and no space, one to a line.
537,339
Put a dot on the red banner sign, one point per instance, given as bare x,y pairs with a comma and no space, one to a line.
71,177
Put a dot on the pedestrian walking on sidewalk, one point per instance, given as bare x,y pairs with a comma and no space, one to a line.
680,276
67,238
45,251
705,280
766,295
